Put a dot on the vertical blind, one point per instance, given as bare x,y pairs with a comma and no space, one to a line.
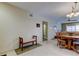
70,27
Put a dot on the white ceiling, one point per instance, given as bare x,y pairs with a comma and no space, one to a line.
50,10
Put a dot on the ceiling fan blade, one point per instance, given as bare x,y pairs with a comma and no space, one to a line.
72,20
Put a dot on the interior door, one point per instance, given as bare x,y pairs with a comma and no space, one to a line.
45,30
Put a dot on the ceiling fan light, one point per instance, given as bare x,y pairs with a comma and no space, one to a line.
67,15
71,14
76,14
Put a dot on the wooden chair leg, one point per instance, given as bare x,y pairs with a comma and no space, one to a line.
33,43
74,48
36,42
62,44
57,44
22,47
65,46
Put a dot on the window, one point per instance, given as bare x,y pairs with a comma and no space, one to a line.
77,27
70,27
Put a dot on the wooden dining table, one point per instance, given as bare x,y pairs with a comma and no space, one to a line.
70,39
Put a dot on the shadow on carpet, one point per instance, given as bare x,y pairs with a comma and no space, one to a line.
26,48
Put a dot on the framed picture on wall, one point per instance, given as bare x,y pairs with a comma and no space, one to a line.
38,25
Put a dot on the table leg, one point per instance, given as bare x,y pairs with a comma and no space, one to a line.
69,44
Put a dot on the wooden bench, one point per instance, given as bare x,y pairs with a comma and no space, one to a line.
22,43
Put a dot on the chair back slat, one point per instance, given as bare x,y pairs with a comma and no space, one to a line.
20,40
34,37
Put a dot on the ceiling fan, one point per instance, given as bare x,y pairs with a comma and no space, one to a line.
71,19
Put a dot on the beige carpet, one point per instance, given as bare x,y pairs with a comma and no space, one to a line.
26,48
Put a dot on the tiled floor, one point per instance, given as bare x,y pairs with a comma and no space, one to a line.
48,48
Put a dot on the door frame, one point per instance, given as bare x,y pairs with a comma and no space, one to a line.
44,22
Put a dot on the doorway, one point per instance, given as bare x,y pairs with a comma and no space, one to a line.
45,30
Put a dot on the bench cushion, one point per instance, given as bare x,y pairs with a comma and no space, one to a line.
27,40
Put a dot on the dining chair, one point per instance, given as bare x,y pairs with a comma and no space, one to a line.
60,41
75,45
